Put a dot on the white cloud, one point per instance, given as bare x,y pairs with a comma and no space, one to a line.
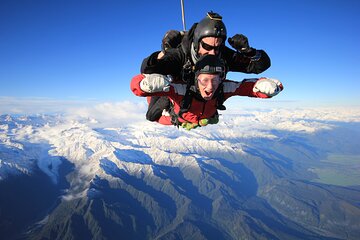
37,105
102,113
264,115
110,114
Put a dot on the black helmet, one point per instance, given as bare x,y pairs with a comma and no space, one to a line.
210,64
211,26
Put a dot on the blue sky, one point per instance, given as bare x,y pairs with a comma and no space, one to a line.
89,50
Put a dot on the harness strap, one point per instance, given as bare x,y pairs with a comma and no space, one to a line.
220,98
186,104
184,107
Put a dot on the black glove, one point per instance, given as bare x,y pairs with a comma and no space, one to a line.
171,39
240,42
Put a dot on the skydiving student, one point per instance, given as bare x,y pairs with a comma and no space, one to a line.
204,38
195,106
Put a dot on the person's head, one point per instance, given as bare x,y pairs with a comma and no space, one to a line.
209,73
209,35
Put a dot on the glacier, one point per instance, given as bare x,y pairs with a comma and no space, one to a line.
252,175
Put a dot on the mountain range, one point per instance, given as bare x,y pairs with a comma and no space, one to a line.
258,174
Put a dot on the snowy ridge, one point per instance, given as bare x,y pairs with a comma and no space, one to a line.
82,144
222,174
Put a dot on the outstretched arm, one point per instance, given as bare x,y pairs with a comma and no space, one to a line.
150,84
253,87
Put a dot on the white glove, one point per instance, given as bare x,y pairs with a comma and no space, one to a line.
268,86
155,83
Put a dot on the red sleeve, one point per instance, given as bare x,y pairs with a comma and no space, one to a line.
244,88
135,88
135,85
261,95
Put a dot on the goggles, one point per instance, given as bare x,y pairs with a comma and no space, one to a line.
206,81
208,47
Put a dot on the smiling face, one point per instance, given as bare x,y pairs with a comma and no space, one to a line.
208,84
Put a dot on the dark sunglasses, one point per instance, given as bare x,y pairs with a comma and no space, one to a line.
208,47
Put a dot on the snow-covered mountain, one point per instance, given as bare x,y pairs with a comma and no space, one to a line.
280,174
